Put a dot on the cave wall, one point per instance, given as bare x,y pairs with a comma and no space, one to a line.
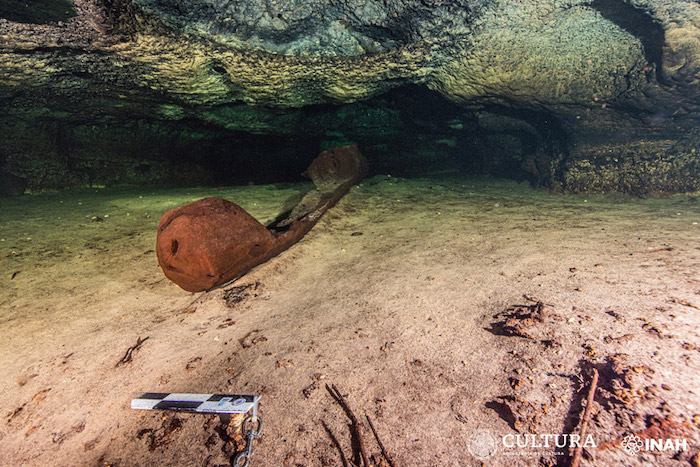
54,154
398,134
575,95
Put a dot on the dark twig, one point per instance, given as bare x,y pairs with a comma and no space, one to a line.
336,443
586,418
130,352
379,442
356,426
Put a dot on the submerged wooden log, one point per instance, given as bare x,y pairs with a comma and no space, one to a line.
210,242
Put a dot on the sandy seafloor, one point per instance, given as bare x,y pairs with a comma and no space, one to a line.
406,319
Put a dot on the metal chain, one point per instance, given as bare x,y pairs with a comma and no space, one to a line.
247,452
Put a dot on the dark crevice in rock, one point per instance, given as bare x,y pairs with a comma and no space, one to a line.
218,68
388,37
36,11
640,24
61,52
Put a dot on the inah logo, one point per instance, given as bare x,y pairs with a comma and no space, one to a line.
482,445
632,444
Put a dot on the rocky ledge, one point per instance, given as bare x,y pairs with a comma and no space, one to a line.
576,95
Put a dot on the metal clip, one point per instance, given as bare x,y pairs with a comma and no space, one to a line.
247,452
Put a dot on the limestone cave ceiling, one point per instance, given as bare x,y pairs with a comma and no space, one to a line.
591,67
187,59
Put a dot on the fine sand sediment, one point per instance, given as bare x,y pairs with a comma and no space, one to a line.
399,296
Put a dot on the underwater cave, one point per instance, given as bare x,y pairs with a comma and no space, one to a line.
348,218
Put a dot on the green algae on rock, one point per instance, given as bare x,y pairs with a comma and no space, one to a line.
643,168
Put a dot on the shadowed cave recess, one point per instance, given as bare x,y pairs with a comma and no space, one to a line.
574,96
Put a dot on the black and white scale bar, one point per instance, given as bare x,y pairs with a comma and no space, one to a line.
203,403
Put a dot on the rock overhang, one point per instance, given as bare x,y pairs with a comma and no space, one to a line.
590,68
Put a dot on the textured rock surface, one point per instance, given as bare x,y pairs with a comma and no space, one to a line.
538,79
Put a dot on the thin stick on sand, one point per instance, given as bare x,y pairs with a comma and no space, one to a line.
356,426
130,351
576,460
379,442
